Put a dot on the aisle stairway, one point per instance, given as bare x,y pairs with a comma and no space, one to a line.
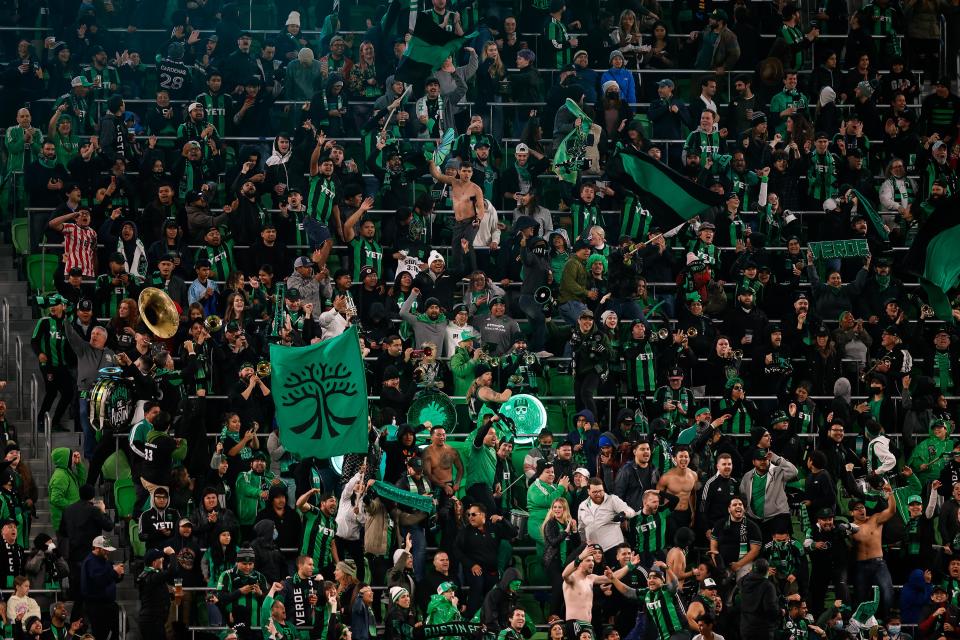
35,447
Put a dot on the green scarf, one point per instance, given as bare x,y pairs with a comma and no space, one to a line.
406,498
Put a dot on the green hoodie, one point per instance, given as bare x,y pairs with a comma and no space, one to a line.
249,485
64,486
933,452
441,610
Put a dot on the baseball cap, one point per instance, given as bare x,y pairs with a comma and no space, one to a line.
302,261
586,313
293,293
666,82
80,81
709,583
85,305
103,542
582,471
184,522
194,105
75,271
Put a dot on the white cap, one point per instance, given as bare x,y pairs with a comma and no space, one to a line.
101,542
194,105
522,148
582,471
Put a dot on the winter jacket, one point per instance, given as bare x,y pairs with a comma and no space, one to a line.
98,580
540,497
424,329
64,486
914,595
624,79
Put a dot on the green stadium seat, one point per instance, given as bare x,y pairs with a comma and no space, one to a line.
20,235
124,496
116,467
40,269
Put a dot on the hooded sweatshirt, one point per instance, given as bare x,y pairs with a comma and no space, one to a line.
424,329
270,561
759,611
157,526
64,487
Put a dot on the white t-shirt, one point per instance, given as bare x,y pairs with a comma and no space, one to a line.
716,636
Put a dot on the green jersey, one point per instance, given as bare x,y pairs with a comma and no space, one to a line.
319,531
584,216
558,45
663,608
222,263
366,252
50,340
321,199
634,219
651,530
246,606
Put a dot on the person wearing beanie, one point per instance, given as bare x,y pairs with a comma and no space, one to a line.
252,491
154,594
430,325
619,75
556,44
302,75
210,517
290,41
765,489
401,617
241,606
743,411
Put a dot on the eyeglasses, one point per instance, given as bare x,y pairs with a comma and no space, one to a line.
472,515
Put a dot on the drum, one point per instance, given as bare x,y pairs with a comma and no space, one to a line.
434,407
111,402
518,518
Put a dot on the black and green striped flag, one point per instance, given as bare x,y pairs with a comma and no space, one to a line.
428,47
671,198
933,256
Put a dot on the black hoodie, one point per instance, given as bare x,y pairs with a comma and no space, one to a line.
758,609
269,560
499,601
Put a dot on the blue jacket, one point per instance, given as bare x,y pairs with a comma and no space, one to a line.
628,89
361,619
98,581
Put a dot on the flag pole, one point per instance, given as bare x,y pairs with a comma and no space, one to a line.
666,234
403,96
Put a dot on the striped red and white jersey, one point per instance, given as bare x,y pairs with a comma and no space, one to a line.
79,248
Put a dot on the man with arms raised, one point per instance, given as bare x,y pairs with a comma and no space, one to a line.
468,210
871,568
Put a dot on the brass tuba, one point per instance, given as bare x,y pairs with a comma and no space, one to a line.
213,324
158,312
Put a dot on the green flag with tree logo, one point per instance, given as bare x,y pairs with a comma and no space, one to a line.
320,395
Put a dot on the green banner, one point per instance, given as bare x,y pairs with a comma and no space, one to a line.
401,496
320,395
830,249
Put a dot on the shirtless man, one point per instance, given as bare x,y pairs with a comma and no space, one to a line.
681,481
578,581
871,569
468,210
439,459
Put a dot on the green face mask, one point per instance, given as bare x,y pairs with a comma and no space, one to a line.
514,585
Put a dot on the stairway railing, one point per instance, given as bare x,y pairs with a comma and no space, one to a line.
18,360
5,348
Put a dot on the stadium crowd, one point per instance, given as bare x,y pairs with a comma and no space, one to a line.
777,459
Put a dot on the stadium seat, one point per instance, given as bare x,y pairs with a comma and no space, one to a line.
20,234
40,269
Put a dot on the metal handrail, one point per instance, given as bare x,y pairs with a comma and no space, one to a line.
18,357
34,400
48,444
5,346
